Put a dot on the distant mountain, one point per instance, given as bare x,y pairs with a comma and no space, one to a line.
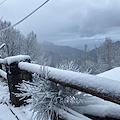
64,51
93,52
117,43
52,58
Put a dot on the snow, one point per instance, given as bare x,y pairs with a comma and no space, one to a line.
99,107
113,74
5,113
1,46
23,112
69,116
4,92
96,83
17,58
76,114
3,74
1,61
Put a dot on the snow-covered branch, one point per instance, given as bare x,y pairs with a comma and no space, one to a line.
1,46
3,74
67,115
48,100
4,93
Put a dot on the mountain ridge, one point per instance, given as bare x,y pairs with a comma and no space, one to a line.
65,51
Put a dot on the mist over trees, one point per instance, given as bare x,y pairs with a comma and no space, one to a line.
108,55
17,43
102,58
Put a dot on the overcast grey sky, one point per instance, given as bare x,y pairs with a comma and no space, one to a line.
66,22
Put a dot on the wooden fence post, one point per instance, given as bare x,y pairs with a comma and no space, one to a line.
26,75
15,77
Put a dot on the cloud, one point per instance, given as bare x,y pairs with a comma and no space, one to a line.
63,19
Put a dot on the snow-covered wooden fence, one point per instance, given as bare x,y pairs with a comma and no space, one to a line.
106,89
15,76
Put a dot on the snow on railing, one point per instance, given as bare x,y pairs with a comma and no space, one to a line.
106,89
12,59
17,58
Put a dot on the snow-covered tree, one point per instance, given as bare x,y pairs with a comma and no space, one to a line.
107,55
87,65
16,44
12,38
31,45
68,65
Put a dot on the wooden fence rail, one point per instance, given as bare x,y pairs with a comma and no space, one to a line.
106,89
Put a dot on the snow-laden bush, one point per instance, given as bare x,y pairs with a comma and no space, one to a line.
4,93
68,65
45,96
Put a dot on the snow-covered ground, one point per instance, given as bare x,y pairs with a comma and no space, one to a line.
5,113
12,113
9,112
